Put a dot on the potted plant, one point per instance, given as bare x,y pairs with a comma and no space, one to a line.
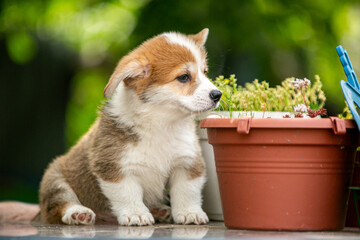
255,99
283,173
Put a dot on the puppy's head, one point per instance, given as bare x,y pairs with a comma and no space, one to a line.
168,70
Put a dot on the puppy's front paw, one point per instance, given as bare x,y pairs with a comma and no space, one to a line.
78,214
136,219
190,217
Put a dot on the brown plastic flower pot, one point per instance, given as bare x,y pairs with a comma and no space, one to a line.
283,174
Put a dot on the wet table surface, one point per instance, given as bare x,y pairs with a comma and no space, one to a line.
214,230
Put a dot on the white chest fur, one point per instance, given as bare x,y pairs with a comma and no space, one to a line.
161,147
160,150
166,141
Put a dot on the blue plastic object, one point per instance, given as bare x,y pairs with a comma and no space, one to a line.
352,97
348,68
351,89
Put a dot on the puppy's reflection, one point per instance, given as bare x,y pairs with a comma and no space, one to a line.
194,232
135,232
103,231
17,230
78,231
106,231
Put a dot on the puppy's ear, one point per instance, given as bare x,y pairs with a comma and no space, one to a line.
128,68
200,38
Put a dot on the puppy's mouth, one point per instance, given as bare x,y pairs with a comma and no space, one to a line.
214,106
199,109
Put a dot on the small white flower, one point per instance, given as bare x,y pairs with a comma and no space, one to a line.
301,108
307,82
299,83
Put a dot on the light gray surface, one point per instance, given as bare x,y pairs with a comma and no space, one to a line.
215,230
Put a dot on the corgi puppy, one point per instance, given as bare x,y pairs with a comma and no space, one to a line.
143,142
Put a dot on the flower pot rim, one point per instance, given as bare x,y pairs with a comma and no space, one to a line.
243,125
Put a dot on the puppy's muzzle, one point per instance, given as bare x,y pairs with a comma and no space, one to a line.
215,95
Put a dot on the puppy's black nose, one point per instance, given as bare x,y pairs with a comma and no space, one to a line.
215,95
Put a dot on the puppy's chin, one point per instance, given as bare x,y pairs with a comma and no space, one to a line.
214,106
201,109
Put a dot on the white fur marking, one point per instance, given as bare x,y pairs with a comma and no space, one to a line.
182,40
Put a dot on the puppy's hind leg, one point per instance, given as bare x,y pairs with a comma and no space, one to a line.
78,214
58,202
161,213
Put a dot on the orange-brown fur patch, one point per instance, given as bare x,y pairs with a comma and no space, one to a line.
197,169
191,88
200,38
188,88
53,206
165,60
184,89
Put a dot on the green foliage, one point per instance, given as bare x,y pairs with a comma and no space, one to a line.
346,114
86,96
259,96
20,190
21,47
95,29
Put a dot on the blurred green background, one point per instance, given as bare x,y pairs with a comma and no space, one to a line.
57,55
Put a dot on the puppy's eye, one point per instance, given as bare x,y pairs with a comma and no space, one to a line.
206,70
184,78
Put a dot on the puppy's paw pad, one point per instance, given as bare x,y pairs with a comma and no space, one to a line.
77,214
162,214
191,217
142,219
